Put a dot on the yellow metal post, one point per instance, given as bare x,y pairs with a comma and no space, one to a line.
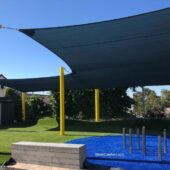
23,106
97,105
62,116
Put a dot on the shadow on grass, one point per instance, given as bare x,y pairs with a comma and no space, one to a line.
22,131
5,153
153,126
27,123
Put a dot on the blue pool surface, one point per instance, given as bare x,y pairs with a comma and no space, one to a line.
108,151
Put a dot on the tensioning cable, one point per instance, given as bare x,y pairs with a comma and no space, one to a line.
9,28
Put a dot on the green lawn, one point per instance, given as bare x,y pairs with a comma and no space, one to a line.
47,130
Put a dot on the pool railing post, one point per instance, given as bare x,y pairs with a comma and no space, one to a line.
138,138
159,149
124,138
143,141
165,141
130,139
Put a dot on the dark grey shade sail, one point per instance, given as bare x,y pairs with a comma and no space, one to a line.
132,51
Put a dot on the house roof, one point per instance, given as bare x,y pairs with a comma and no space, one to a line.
126,52
167,110
1,75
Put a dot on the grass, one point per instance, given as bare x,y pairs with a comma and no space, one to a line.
47,130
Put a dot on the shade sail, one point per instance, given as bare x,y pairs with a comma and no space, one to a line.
131,51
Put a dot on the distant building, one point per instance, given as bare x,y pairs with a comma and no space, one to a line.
167,112
2,88
44,97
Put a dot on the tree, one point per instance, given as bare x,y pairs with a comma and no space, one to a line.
54,102
16,97
137,107
12,94
114,102
139,98
154,107
165,94
153,104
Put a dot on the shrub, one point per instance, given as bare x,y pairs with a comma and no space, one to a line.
36,107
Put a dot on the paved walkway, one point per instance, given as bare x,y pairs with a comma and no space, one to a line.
22,166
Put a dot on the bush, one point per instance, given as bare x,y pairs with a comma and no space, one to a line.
80,104
37,108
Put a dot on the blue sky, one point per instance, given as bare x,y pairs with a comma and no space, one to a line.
22,57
